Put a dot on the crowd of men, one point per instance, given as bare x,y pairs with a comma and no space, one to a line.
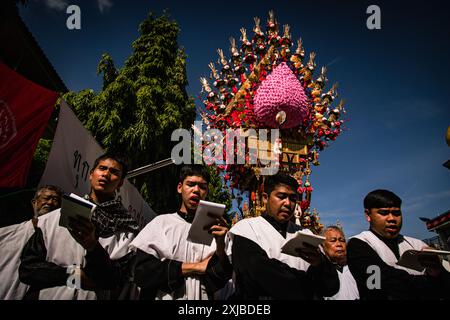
109,257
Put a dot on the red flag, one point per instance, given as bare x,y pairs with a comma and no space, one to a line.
25,109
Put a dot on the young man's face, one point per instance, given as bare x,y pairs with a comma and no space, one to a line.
192,190
47,200
281,202
106,177
335,246
387,222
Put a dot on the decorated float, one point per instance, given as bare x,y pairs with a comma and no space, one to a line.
268,83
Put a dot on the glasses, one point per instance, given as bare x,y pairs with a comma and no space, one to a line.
335,239
47,198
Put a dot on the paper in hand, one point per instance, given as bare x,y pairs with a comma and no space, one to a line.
411,258
74,206
291,246
197,232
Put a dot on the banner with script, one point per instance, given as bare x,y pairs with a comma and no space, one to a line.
71,158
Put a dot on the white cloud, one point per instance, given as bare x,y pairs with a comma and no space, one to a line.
409,111
104,5
423,201
59,5
335,60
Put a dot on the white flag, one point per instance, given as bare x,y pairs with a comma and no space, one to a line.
71,158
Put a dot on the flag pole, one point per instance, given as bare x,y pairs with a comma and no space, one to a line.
149,168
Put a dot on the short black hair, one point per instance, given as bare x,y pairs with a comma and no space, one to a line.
382,199
50,187
122,160
280,178
198,170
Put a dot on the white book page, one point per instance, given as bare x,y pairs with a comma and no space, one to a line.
291,246
71,207
197,233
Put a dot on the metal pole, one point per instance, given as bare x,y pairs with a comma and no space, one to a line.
150,167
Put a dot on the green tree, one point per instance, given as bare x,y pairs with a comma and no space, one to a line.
140,105
217,193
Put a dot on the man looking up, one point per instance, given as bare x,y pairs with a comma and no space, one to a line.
168,266
98,247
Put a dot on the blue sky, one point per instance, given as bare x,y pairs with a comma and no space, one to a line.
394,80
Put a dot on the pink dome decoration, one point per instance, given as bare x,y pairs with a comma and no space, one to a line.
281,91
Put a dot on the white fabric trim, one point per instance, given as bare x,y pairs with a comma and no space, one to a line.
386,254
260,231
63,250
12,240
348,290
165,237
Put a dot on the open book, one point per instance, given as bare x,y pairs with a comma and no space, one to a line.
197,233
297,242
73,206
410,258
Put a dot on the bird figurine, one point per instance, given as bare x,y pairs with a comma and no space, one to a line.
298,56
249,56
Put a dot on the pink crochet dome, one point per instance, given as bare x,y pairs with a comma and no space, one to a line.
281,91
